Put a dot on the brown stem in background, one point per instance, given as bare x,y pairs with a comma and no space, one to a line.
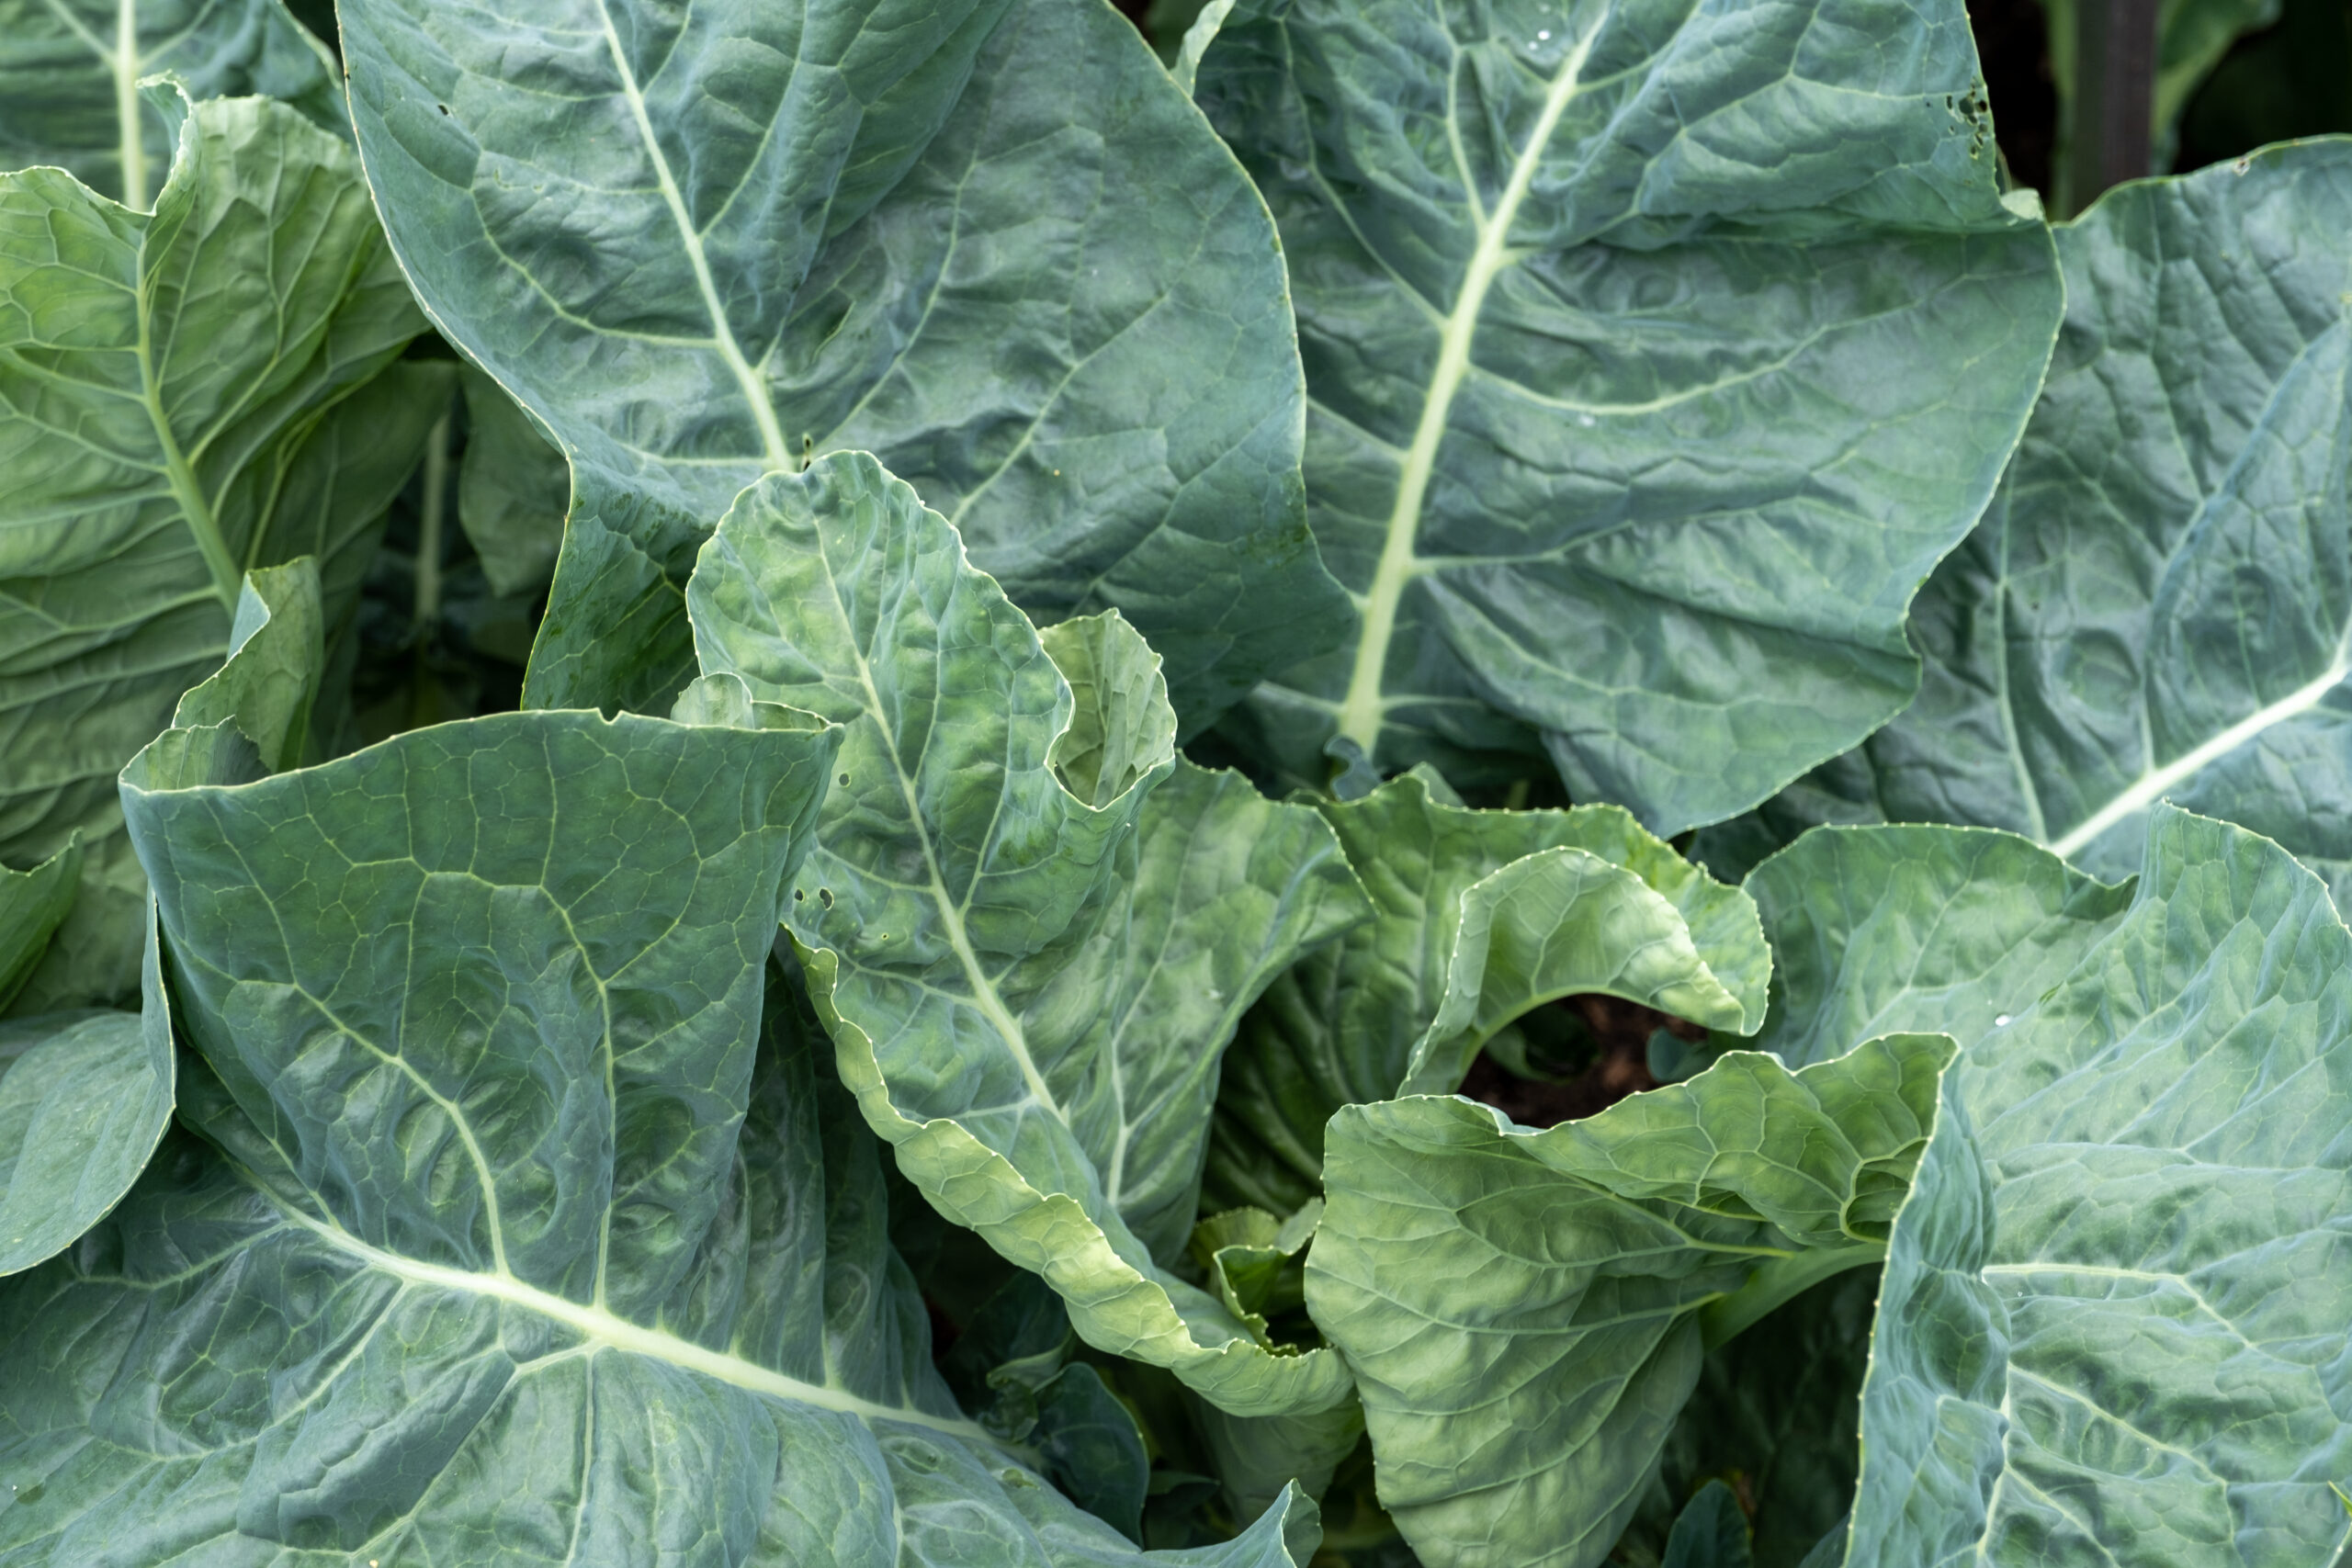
2115,84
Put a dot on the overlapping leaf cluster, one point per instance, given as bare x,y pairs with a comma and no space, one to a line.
841,1078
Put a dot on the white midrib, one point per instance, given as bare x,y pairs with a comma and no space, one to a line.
2151,786
984,997
722,336
195,507
1361,712
603,1329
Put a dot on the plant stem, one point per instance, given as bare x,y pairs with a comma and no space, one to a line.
429,526
2114,94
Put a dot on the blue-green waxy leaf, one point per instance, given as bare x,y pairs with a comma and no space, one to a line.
511,1239
87,1091
70,72
992,243
1480,914
2113,1324
1631,330
1031,927
2158,604
1526,1312
185,396
1881,930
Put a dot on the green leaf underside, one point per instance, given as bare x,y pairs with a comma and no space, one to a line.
70,72
1031,928
2158,604
183,397
993,243
1629,329
1553,903
2111,1325
1524,1310
512,1239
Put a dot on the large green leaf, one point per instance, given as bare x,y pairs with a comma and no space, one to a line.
1032,930
70,72
1480,914
509,1241
991,243
2158,605
1656,349
2111,1329
1526,1312
1889,929
183,397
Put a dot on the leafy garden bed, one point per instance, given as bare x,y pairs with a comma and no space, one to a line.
1100,638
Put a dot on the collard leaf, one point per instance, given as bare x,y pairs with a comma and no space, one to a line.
508,1240
1031,929
1480,916
70,72
991,243
1526,1311
1630,332
32,905
2111,1325
513,490
88,1091
1886,930
183,396
84,1097
2158,605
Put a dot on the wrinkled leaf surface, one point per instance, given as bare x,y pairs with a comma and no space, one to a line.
1631,331
991,243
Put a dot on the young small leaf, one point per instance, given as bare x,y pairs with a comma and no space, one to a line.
1480,914
1526,1311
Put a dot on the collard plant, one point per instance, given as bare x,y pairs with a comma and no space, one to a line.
842,1078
